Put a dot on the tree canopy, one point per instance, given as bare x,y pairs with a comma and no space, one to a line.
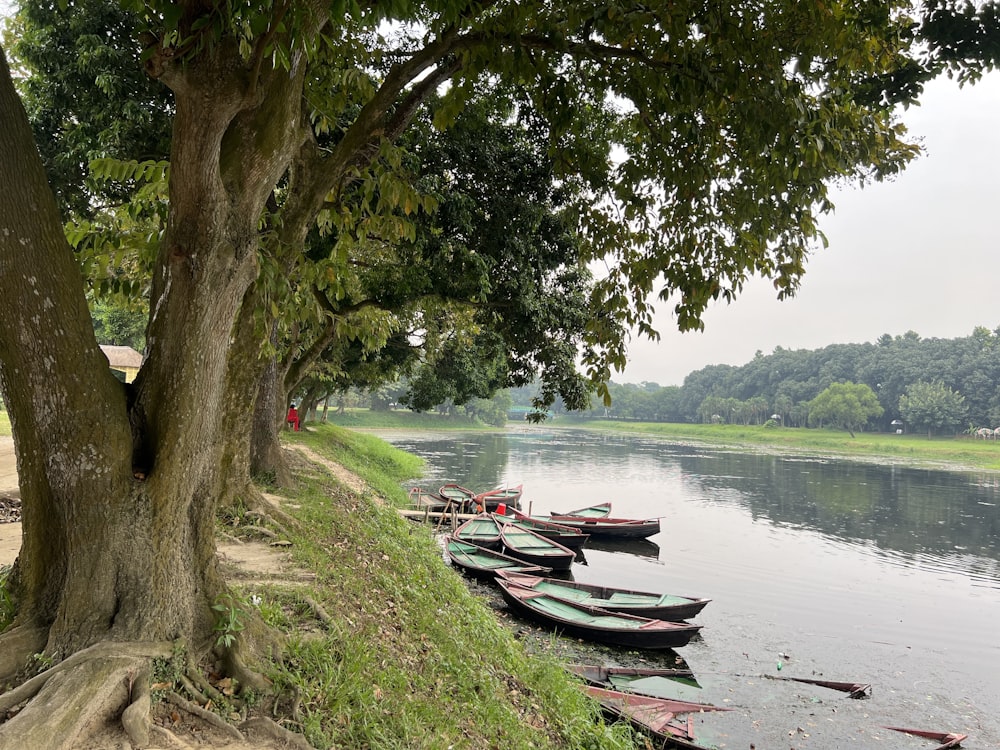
787,380
932,406
845,405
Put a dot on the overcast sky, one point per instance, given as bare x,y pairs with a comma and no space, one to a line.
920,253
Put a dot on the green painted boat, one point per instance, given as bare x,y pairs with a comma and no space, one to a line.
657,683
457,496
612,528
525,544
482,530
566,536
493,499
642,603
484,563
594,623
601,510
421,499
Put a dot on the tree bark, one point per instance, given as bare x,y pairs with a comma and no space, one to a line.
119,488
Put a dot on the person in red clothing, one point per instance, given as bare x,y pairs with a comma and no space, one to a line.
292,418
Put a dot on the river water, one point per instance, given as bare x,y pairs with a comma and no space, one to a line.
817,568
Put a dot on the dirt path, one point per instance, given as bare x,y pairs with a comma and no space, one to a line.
10,533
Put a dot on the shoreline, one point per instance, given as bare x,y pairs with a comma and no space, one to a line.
942,454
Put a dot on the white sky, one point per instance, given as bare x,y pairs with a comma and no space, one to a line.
919,253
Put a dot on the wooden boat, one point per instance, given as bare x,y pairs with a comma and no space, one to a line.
482,562
458,496
482,530
668,705
853,689
601,510
617,528
421,499
658,683
947,739
595,624
566,536
654,716
642,603
599,675
492,499
533,548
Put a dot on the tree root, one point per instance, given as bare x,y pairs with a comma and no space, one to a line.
103,650
71,699
214,719
16,648
318,610
135,717
200,698
199,687
239,671
263,728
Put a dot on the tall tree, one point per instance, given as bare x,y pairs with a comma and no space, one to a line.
730,123
932,406
845,405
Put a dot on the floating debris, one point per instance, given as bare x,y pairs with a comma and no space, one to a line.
949,739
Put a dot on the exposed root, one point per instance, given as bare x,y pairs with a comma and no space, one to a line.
267,518
318,610
268,506
199,687
239,671
259,530
103,650
68,701
262,728
194,692
214,719
229,538
135,717
16,647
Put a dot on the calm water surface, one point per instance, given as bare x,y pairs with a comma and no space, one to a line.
837,570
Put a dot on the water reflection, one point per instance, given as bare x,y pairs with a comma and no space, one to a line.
912,514
934,519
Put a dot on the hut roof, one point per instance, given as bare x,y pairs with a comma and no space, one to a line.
122,356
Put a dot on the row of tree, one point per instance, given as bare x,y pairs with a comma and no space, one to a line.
939,385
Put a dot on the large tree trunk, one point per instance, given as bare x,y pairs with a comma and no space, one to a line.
270,407
119,488
69,418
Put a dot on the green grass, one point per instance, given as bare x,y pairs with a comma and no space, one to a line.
410,658
956,451
381,466
5,423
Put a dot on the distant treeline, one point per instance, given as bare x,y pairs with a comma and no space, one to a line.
784,383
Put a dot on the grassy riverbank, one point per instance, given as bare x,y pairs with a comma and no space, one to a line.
408,657
955,452
402,419
958,452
